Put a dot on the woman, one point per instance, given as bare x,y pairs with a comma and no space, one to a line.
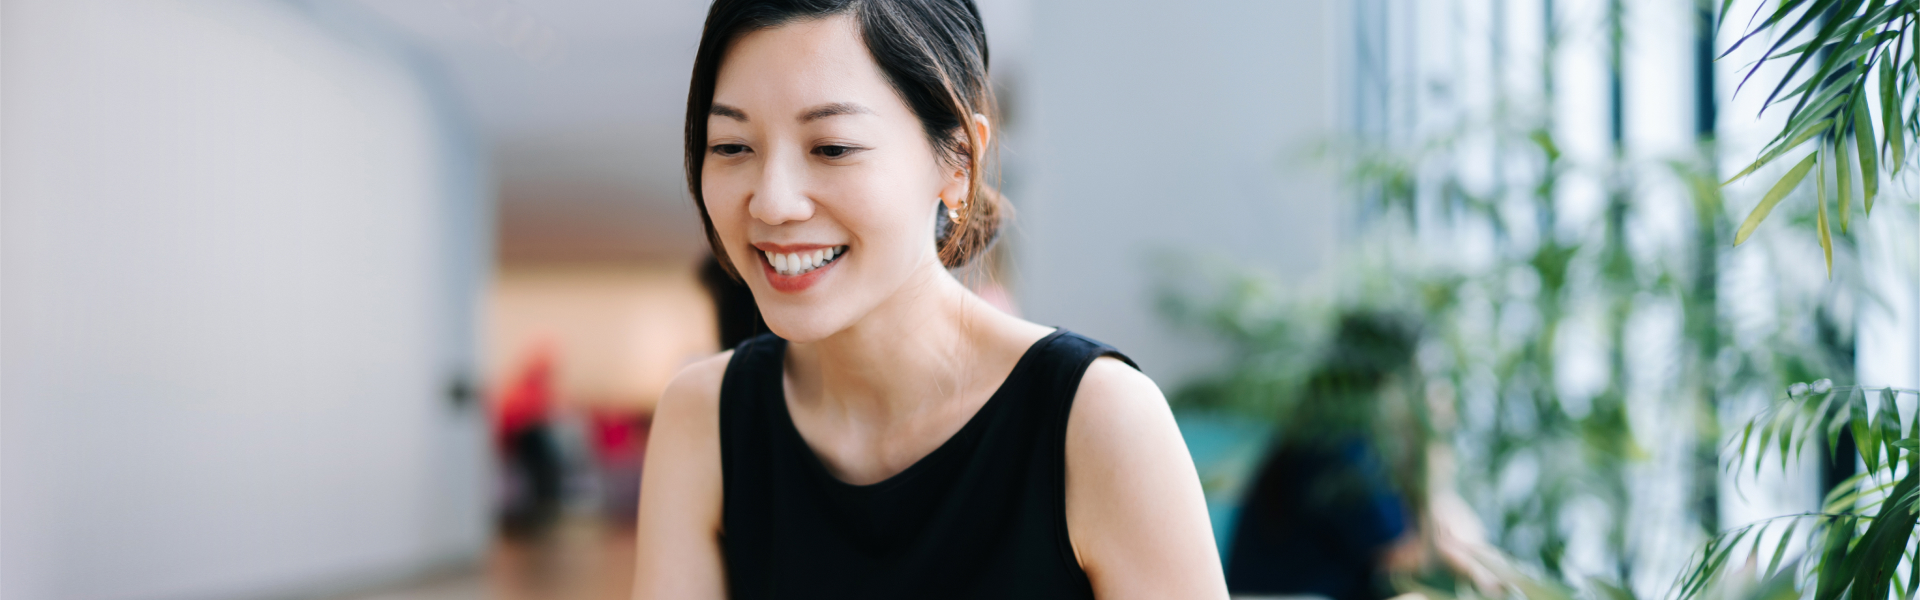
899,438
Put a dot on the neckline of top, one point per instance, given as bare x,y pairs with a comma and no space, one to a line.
974,422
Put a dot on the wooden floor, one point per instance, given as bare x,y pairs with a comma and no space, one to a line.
579,559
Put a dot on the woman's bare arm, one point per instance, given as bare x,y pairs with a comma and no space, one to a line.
1135,512
678,531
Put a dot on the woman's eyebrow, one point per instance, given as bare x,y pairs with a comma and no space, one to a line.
833,110
722,110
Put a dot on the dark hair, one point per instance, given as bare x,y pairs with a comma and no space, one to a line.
1368,348
733,306
933,52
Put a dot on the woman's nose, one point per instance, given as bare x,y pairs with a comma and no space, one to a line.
779,198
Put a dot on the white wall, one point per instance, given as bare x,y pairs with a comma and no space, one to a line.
241,244
1145,126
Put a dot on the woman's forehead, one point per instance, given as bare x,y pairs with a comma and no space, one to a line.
789,72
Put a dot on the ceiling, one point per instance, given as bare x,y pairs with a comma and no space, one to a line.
580,104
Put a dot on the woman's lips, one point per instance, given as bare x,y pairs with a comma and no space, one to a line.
796,268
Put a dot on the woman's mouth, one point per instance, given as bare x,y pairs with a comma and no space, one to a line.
800,263
796,271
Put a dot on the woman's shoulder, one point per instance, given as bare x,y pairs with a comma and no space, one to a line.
694,393
1116,399
684,447
679,524
1114,405
1135,513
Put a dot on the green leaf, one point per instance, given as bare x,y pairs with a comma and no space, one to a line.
1866,438
1888,71
1841,43
1869,160
1860,49
1786,440
1778,587
1786,538
1844,494
1913,580
1716,562
1826,32
1824,105
1806,133
1913,435
1610,591
1828,83
1792,51
1850,47
1773,197
1900,587
1747,435
1840,534
1544,139
1881,547
1887,422
1897,137
1820,222
1891,143
1780,12
1849,51
1766,435
1834,425
1843,178
1827,407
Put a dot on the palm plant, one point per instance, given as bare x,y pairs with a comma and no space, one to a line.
1856,54
1853,545
1851,87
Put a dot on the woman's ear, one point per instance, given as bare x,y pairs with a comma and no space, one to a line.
983,131
954,195
956,190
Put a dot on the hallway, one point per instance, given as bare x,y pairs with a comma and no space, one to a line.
579,559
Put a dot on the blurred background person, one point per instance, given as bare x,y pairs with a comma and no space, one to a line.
1323,511
523,435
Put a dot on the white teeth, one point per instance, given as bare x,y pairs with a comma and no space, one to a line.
802,262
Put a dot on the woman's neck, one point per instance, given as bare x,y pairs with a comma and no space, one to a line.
912,352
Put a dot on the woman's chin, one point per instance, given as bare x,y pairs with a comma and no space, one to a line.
801,328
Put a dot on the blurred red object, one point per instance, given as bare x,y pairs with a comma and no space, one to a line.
619,433
525,401
620,444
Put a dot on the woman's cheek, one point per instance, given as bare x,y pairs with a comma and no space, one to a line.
728,212
724,196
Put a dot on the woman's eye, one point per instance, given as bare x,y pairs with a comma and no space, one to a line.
729,149
835,151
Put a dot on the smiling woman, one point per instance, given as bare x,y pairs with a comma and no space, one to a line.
894,436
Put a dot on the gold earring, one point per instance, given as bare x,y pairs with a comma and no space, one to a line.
954,214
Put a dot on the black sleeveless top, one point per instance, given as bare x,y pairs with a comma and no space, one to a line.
982,516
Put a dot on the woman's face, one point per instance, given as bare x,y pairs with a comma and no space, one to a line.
819,178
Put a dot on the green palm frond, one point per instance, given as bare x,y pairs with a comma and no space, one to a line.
1851,54
1853,546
